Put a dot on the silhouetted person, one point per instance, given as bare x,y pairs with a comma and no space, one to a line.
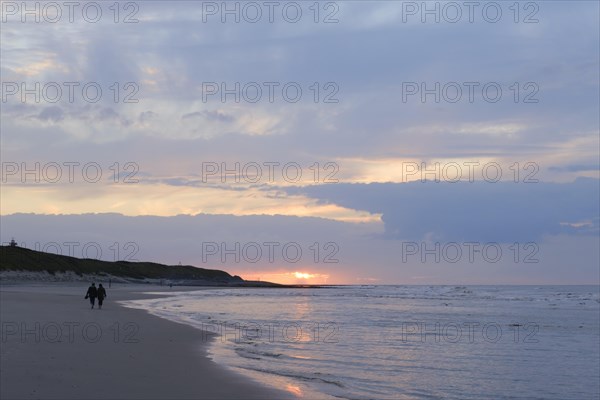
101,295
92,293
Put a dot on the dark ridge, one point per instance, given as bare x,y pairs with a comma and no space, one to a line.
14,258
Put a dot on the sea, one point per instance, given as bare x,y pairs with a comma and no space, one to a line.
402,342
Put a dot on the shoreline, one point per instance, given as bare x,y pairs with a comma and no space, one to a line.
54,346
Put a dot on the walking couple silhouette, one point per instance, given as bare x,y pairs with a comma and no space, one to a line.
94,292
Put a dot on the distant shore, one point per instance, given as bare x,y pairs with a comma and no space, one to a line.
55,346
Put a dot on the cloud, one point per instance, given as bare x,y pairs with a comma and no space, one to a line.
479,211
213,115
360,253
54,114
576,167
146,116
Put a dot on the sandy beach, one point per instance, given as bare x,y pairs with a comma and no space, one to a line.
53,346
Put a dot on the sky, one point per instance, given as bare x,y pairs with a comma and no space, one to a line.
349,142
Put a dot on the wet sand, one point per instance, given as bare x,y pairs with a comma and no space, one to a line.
53,346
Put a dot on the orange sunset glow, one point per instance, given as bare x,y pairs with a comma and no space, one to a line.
289,278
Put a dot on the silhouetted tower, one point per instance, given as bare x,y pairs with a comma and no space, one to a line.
13,243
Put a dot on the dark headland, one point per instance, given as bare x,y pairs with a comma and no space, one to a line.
20,259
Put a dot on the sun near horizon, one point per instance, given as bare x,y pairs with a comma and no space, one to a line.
295,277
